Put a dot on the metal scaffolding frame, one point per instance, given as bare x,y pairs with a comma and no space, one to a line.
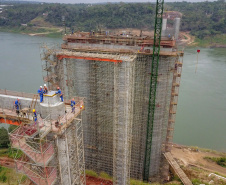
117,101
70,152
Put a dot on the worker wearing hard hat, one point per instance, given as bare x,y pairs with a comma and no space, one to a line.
73,105
60,93
45,89
35,116
40,92
17,105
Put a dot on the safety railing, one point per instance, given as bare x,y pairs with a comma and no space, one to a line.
41,156
47,177
45,126
15,93
79,100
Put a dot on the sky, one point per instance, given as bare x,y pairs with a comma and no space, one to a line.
104,1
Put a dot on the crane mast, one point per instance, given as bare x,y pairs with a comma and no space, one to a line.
153,85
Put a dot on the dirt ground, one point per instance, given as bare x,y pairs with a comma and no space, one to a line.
7,162
186,38
97,181
195,157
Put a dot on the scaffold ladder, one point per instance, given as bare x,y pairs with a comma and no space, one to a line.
153,84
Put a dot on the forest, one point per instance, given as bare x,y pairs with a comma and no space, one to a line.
201,19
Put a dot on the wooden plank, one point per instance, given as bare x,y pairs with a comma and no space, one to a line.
177,169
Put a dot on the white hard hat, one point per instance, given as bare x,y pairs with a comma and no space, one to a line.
44,85
40,86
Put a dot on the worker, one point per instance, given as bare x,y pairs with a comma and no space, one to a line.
73,105
175,66
45,89
17,106
169,36
60,93
40,92
35,116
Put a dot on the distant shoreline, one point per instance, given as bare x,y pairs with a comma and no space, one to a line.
57,32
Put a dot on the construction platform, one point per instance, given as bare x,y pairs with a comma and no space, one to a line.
39,146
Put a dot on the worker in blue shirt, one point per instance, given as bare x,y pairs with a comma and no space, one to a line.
60,93
40,92
35,116
17,106
73,105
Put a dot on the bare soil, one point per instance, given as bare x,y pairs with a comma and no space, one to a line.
186,38
97,181
195,157
7,162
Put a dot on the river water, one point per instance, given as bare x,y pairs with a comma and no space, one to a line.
201,113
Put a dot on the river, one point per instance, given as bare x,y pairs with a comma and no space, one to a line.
201,113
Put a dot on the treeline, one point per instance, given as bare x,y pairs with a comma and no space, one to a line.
202,19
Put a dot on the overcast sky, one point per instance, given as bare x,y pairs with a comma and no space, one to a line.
102,1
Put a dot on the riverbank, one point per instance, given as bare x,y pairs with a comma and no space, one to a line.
52,32
216,41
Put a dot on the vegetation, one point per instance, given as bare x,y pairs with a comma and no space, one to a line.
9,176
202,19
4,138
91,173
197,182
5,149
137,182
105,176
11,128
219,160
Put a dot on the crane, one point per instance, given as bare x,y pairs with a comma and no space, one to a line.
153,84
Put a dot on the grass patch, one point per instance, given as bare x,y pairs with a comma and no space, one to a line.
174,183
42,31
54,35
91,173
211,41
9,176
105,176
23,178
197,182
4,152
219,160
11,153
14,153
185,37
137,182
40,21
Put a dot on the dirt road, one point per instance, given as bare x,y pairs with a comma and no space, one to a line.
186,38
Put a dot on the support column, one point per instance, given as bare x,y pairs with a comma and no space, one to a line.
122,126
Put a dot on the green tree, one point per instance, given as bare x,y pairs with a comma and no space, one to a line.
4,138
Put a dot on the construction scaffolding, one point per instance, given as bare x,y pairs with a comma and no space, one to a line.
34,155
115,79
48,150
